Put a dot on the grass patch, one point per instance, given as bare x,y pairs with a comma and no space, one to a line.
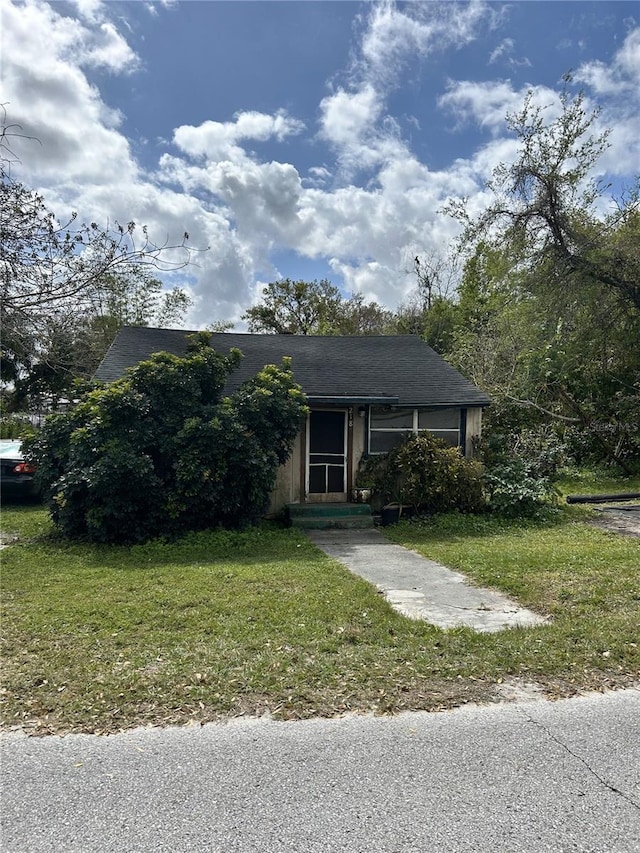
218,624
587,481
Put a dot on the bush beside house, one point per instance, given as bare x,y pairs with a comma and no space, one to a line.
161,451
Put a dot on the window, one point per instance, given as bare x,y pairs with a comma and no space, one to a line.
443,423
388,426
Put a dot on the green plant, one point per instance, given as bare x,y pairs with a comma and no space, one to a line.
514,491
15,426
161,451
425,473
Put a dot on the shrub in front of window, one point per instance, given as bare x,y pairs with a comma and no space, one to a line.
425,473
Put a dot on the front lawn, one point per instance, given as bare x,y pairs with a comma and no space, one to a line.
218,624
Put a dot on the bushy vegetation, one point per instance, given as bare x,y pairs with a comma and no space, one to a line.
424,473
521,461
15,426
514,476
161,451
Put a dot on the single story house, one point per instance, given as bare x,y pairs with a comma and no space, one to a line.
364,393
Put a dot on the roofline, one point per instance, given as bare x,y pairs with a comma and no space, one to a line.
349,399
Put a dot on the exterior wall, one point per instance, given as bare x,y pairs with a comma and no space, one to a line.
287,488
359,441
474,428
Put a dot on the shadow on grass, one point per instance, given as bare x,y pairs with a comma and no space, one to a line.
266,544
452,526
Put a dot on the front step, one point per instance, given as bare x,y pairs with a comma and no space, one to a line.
330,516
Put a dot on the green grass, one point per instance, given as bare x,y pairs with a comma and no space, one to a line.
596,482
219,624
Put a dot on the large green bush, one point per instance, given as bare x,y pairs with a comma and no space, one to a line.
521,465
425,473
161,451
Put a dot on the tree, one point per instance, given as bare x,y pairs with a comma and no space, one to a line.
357,317
544,204
52,271
162,451
557,369
431,310
314,308
295,308
550,299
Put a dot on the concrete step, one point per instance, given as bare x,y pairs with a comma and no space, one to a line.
313,510
327,516
329,522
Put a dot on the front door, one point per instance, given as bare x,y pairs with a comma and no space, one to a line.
327,458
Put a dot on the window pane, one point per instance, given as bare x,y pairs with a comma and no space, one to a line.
387,419
439,419
383,442
451,437
336,478
317,478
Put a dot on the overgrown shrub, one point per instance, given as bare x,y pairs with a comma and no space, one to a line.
15,426
425,473
514,491
520,468
161,451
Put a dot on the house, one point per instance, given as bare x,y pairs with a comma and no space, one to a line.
364,394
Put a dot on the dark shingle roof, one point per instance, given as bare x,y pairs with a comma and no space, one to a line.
401,367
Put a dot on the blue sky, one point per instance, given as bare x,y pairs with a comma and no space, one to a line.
299,139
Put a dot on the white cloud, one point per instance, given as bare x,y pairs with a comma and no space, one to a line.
488,103
211,183
347,118
219,140
623,75
618,87
394,35
505,48
110,50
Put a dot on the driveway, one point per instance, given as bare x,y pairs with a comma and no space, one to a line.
623,519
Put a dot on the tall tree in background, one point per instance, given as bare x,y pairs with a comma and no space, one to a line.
431,311
59,279
549,312
314,308
544,205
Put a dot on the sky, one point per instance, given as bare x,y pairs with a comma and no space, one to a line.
302,139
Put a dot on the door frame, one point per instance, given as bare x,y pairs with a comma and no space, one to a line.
328,497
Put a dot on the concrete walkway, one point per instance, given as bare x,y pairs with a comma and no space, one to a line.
419,588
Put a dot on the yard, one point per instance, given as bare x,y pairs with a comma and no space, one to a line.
217,624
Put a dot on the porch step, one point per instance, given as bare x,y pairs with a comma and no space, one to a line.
325,516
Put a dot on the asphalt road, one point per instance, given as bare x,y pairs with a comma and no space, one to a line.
532,776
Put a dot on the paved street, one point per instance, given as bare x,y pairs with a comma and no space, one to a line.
534,776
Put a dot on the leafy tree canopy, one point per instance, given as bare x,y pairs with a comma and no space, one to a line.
65,282
314,308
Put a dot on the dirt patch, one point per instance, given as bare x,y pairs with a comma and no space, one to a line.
618,519
519,690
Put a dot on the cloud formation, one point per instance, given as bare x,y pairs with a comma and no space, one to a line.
366,206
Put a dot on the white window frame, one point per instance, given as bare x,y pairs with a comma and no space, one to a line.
414,429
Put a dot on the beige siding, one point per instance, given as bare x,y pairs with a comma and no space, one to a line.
474,429
287,488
